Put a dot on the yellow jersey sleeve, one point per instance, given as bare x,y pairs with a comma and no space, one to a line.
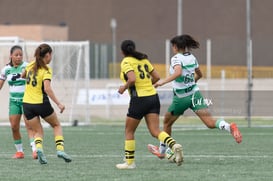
47,74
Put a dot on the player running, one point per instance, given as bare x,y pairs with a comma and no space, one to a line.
184,73
139,76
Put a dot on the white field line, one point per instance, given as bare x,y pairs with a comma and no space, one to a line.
149,156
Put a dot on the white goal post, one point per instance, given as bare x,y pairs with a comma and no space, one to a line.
71,72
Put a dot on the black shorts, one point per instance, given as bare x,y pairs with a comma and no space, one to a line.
141,106
32,110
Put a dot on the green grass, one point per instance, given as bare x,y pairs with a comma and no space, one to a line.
210,155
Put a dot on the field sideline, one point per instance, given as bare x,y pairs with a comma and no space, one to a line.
210,155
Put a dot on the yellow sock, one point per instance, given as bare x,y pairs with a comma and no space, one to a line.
166,138
59,141
130,151
38,143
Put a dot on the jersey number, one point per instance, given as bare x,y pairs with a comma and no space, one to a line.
189,78
31,78
143,71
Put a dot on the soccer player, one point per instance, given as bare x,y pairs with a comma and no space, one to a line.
139,76
12,73
184,73
36,102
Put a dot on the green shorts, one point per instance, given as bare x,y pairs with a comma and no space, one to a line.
15,107
180,105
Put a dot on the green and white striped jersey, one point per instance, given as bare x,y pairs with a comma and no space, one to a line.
12,75
185,84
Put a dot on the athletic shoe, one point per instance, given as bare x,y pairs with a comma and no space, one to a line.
41,157
18,155
177,149
125,165
34,155
63,155
235,132
155,150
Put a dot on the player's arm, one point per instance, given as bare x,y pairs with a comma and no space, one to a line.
48,90
198,74
131,79
24,74
3,78
1,83
155,76
177,73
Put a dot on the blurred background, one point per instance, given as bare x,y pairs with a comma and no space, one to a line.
235,54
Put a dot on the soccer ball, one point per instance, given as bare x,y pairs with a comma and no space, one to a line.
169,154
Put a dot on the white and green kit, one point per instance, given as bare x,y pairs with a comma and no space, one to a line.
12,75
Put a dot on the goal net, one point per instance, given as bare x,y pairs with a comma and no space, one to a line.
71,72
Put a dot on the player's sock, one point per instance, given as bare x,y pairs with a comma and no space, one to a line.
32,144
59,141
222,125
162,147
39,143
130,151
18,145
166,138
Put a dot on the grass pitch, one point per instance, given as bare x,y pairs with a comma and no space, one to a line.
210,155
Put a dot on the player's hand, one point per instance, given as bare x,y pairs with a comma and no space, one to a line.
158,83
61,107
121,89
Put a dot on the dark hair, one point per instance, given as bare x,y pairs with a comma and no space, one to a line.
185,41
128,48
39,54
15,47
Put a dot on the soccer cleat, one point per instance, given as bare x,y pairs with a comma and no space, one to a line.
125,165
235,132
178,153
41,157
155,150
34,155
18,155
63,155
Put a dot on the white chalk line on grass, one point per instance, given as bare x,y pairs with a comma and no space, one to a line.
189,156
7,155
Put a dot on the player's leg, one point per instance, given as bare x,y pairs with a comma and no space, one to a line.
37,128
169,120
221,124
15,127
30,133
171,143
160,150
152,121
15,113
130,144
177,108
33,121
201,110
59,139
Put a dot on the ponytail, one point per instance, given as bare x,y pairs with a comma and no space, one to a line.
185,41
128,48
39,54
